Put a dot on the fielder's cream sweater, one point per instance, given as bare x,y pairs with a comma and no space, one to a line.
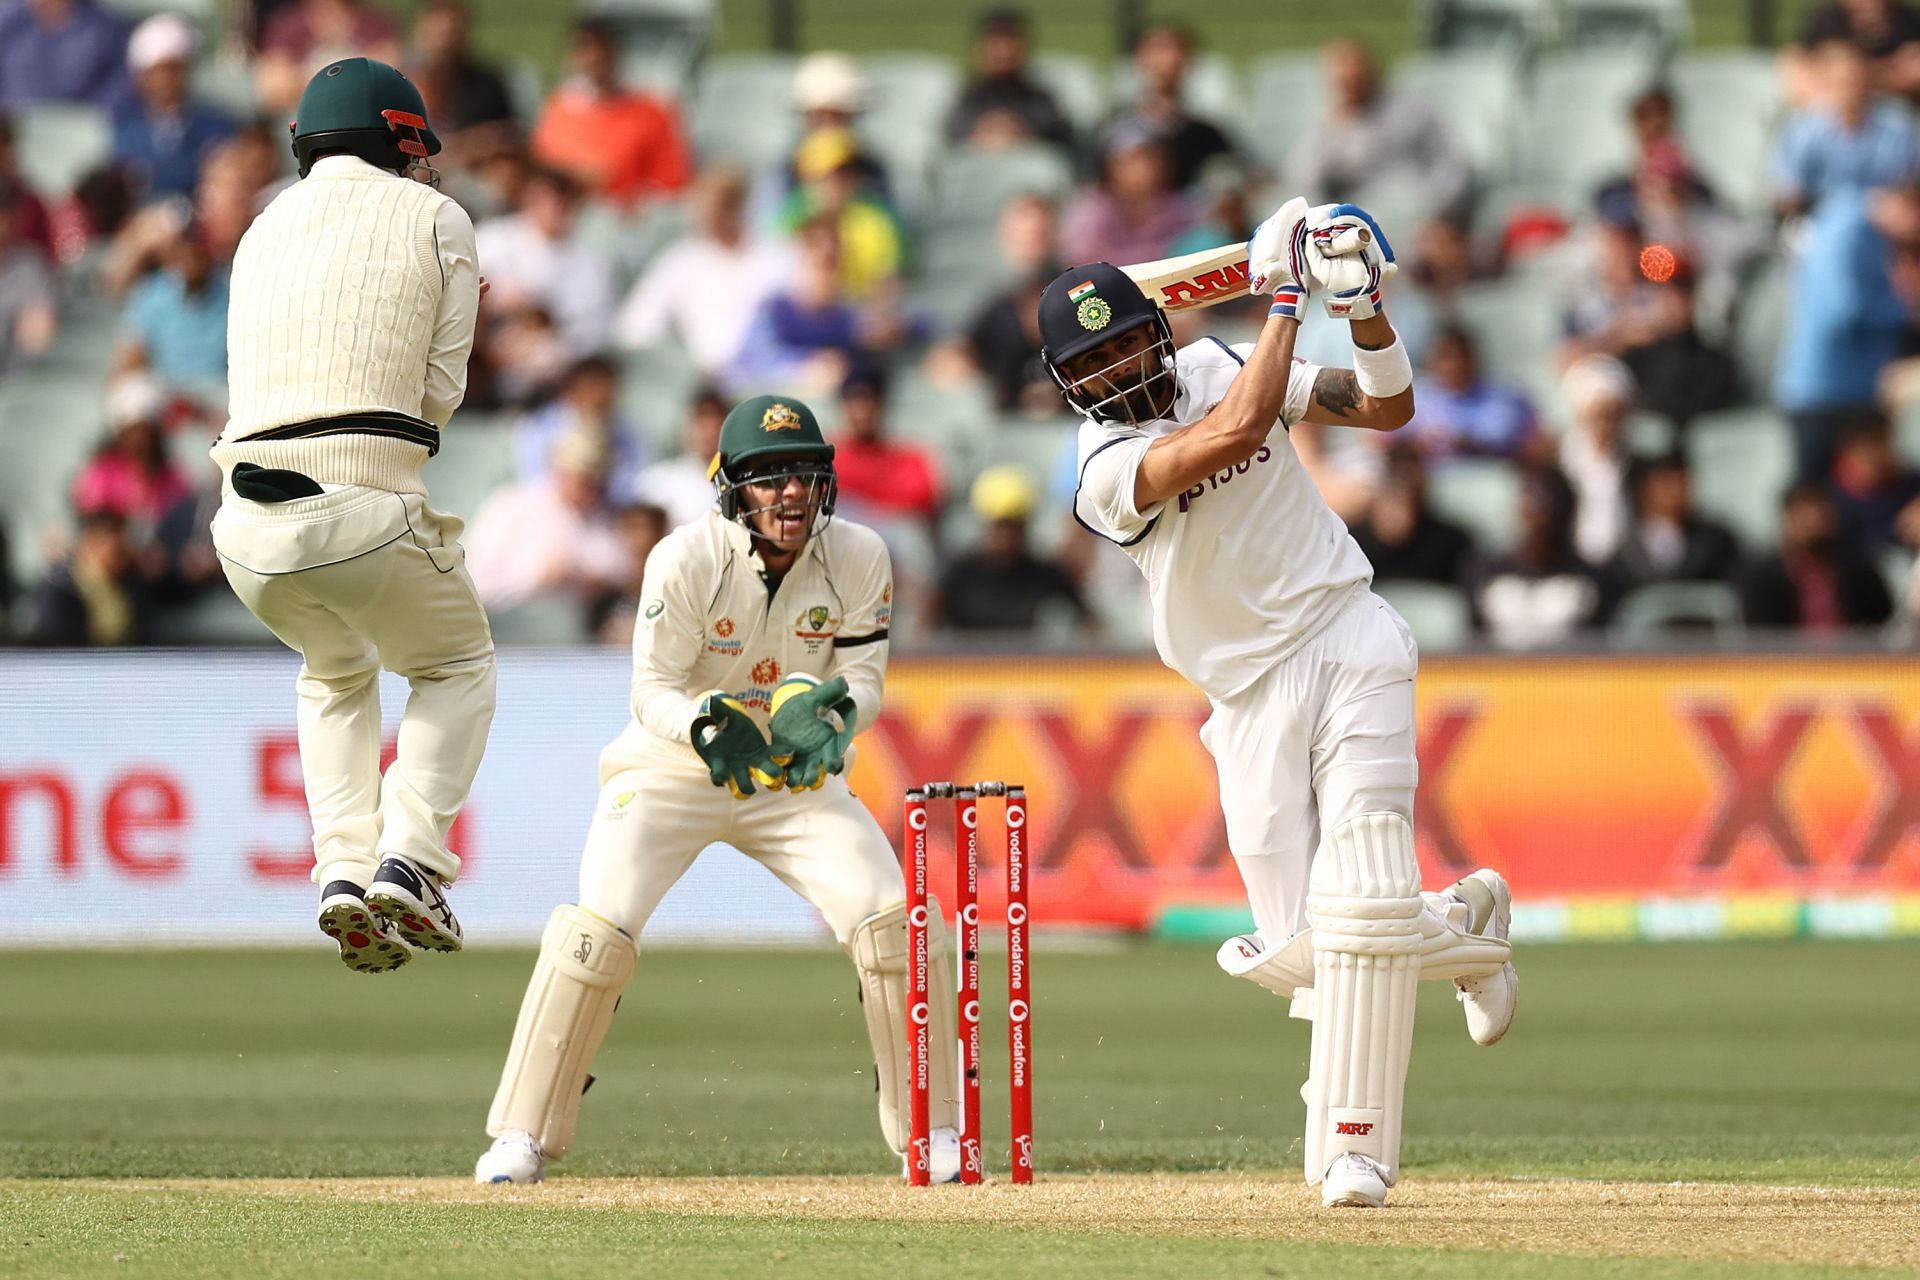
354,291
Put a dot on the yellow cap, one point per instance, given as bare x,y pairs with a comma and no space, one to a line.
1005,492
824,151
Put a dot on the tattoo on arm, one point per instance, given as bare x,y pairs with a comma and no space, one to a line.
1338,392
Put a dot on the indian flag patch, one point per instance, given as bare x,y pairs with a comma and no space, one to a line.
1080,291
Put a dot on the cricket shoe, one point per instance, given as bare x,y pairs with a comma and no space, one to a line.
368,944
1490,1001
1353,1182
514,1157
943,1157
412,902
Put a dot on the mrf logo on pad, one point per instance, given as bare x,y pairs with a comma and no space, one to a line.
1353,1128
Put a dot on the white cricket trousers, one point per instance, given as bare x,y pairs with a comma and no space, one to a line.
653,820
1323,737
354,580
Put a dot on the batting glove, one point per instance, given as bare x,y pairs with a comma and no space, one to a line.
1277,259
1348,257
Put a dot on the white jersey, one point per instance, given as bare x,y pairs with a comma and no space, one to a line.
707,621
1245,566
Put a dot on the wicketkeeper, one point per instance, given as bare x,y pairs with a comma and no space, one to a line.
353,304
760,651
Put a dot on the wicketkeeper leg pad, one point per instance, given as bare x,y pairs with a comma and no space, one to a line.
1364,904
878,946
584,965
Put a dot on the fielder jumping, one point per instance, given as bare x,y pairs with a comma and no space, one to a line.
1261,599
761,649
353,305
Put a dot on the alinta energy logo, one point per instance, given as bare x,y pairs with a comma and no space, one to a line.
722,641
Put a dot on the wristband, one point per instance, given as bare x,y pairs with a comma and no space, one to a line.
1288,301
1383,373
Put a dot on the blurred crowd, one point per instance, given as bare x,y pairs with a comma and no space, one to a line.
616,248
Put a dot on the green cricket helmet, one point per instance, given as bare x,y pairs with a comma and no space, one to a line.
368,109
771,439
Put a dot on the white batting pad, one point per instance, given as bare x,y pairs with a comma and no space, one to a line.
584,965
878,945
1363,899
1282,969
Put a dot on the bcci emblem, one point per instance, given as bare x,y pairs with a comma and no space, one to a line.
780,417
1094,313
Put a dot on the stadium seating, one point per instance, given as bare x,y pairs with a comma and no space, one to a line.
1897,568
475,458
661,41
1535,94
1574,131
1515,323
1648,24
1286,99
656,385
204,14
743,108
83,346
1438,615
908,98
1481,495
1727,103
1481,90
49,422
1513,26
1213,90
1649,616
952,419
1759,324
541,621
58,143
1742,461
1076,84
961,261
1906,433
217,617
226,81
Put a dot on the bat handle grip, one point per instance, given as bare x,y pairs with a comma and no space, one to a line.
1350,240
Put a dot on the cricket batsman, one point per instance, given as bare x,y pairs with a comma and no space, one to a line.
760,651
1261,599
354,297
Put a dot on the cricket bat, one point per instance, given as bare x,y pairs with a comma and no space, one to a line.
1211,276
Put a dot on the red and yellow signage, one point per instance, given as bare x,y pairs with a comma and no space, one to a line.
1576,777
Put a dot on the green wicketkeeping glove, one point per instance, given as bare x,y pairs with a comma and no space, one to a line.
805,739
731,743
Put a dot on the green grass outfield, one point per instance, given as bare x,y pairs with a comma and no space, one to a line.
736,1087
